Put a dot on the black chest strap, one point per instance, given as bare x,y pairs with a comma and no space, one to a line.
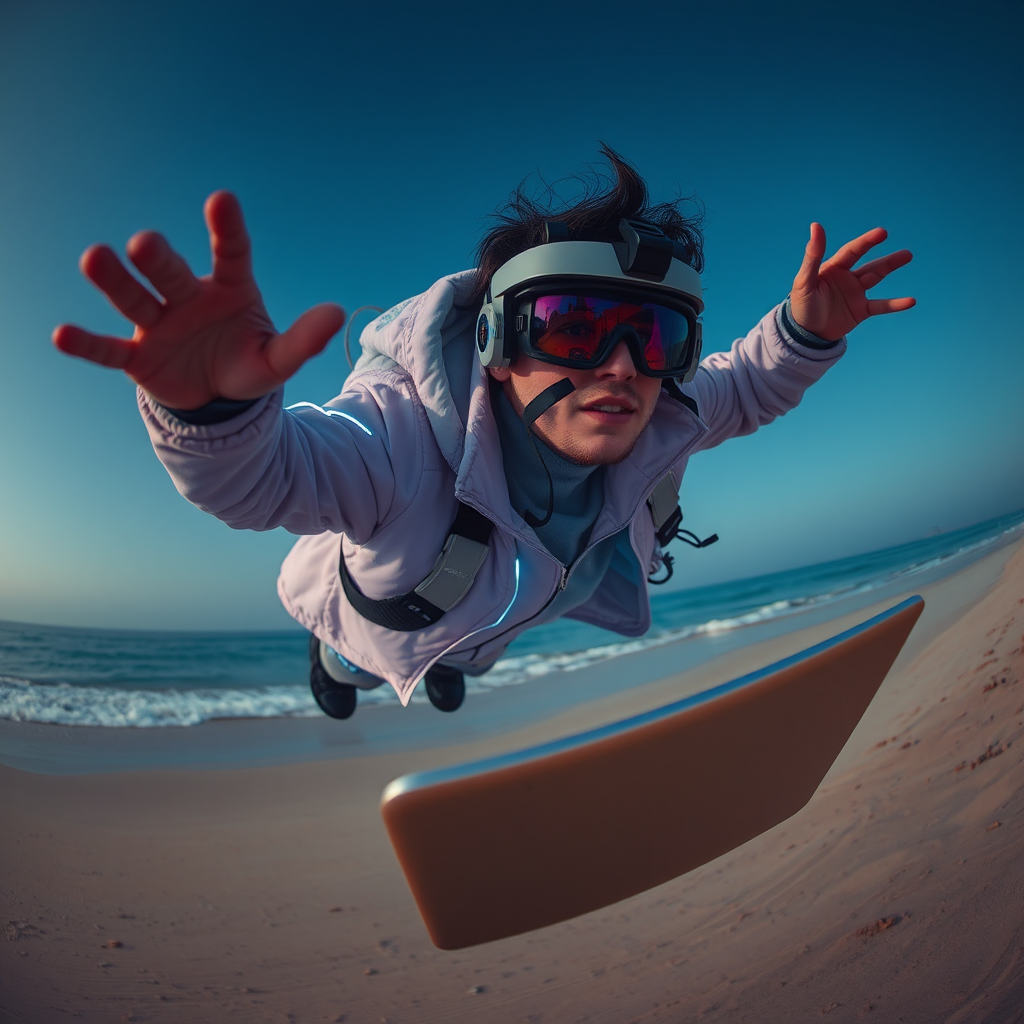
449,581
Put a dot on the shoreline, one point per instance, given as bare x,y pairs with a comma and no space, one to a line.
271,893
509,716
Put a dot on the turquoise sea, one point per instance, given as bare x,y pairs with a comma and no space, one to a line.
129,678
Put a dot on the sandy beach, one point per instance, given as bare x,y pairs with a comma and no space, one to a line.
270,893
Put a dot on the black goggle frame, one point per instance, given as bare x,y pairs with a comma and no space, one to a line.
523,304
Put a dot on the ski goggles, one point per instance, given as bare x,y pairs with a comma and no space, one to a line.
580,330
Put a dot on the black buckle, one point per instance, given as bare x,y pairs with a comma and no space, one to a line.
645,250
667,531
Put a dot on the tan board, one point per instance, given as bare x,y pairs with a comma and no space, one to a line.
512,843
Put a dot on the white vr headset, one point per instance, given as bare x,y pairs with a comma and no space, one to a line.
645,266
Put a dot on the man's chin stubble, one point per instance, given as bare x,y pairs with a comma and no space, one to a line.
578,454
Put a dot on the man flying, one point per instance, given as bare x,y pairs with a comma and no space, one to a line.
506,451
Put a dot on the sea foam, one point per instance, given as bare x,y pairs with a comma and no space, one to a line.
125,679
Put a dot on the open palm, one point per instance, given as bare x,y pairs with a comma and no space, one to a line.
208,337
829,299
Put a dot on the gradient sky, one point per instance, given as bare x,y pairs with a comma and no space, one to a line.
368,145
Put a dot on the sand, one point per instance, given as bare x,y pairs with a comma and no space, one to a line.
271,893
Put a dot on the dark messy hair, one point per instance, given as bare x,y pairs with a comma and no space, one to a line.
594,218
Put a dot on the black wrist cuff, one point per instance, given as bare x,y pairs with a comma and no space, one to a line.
218,411
801,334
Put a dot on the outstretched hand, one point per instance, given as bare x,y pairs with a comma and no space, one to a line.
829,299
209,337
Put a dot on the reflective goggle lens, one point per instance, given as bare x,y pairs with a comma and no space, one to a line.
580,330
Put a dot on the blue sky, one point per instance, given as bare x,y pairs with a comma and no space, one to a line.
368,145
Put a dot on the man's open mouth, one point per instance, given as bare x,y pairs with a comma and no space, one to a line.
609,405
613,408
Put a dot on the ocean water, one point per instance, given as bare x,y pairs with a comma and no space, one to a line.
133,678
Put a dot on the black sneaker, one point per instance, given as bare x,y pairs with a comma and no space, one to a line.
446,687
335,699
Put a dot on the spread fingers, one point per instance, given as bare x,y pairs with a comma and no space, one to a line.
871,273
229,239
126,294
853,251
102,349
169,274
878,306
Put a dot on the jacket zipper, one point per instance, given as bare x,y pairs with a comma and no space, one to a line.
563,580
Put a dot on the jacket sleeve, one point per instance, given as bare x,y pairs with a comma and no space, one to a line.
762,376
309,469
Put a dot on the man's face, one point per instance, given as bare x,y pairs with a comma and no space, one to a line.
601,421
